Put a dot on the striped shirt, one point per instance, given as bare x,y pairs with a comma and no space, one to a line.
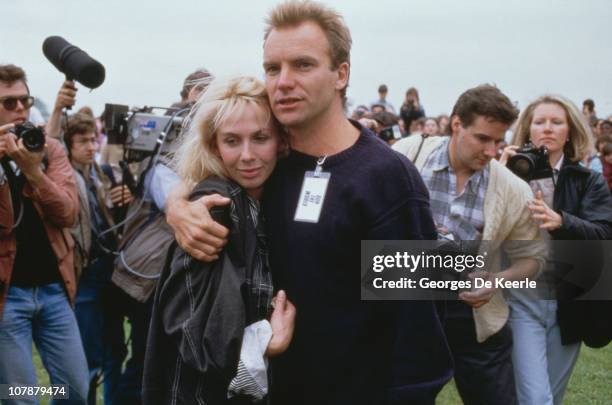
461,213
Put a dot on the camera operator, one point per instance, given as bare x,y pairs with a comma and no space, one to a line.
101,328
38,203
191,88
143,252
411,108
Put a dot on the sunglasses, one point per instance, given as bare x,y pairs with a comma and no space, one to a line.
10,103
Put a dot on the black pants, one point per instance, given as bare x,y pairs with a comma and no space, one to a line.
129,384
483,371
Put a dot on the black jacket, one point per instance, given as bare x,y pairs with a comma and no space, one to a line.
583,199
199,314
408,113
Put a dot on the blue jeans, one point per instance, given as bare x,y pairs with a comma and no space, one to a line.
42,315
542,365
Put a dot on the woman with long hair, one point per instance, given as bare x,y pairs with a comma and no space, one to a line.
214,325
574,203
411,109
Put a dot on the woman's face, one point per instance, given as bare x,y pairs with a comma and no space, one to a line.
411,96
431,127
549,127
248,147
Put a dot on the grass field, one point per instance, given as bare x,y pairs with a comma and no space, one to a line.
591,382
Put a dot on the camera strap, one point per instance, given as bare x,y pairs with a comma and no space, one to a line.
15,185
418,152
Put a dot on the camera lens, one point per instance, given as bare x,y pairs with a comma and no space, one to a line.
521,165
34,140
33,137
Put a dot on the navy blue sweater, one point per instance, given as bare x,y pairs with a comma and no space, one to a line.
346,351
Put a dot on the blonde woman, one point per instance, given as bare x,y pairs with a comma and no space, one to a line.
213,326
574,204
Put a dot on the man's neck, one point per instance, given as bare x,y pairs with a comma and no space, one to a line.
328,136
84,169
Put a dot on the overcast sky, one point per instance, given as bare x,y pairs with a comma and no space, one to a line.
442,47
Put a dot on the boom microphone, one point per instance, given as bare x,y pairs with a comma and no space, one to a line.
75,63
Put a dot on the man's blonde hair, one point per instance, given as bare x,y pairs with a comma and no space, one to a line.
293,13
580,142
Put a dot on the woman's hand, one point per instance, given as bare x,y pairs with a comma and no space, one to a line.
544,215
282,322
508,152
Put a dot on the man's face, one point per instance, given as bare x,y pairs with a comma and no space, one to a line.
606,129
377,109
300,81
83,148
477,144
19,114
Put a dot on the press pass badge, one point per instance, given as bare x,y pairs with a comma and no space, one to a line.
312,195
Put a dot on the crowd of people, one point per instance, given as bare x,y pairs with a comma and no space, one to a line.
234,256
412,120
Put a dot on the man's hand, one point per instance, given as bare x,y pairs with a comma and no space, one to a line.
4,135
28,162
66,97
194,229
121,195
283,324
480,296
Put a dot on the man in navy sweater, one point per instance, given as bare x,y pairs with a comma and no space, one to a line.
338,186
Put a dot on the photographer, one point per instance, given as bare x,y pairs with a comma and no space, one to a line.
101,328
38,202
411,108
572,203
142,252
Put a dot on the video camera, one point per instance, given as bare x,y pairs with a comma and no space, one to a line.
531,163
140,131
